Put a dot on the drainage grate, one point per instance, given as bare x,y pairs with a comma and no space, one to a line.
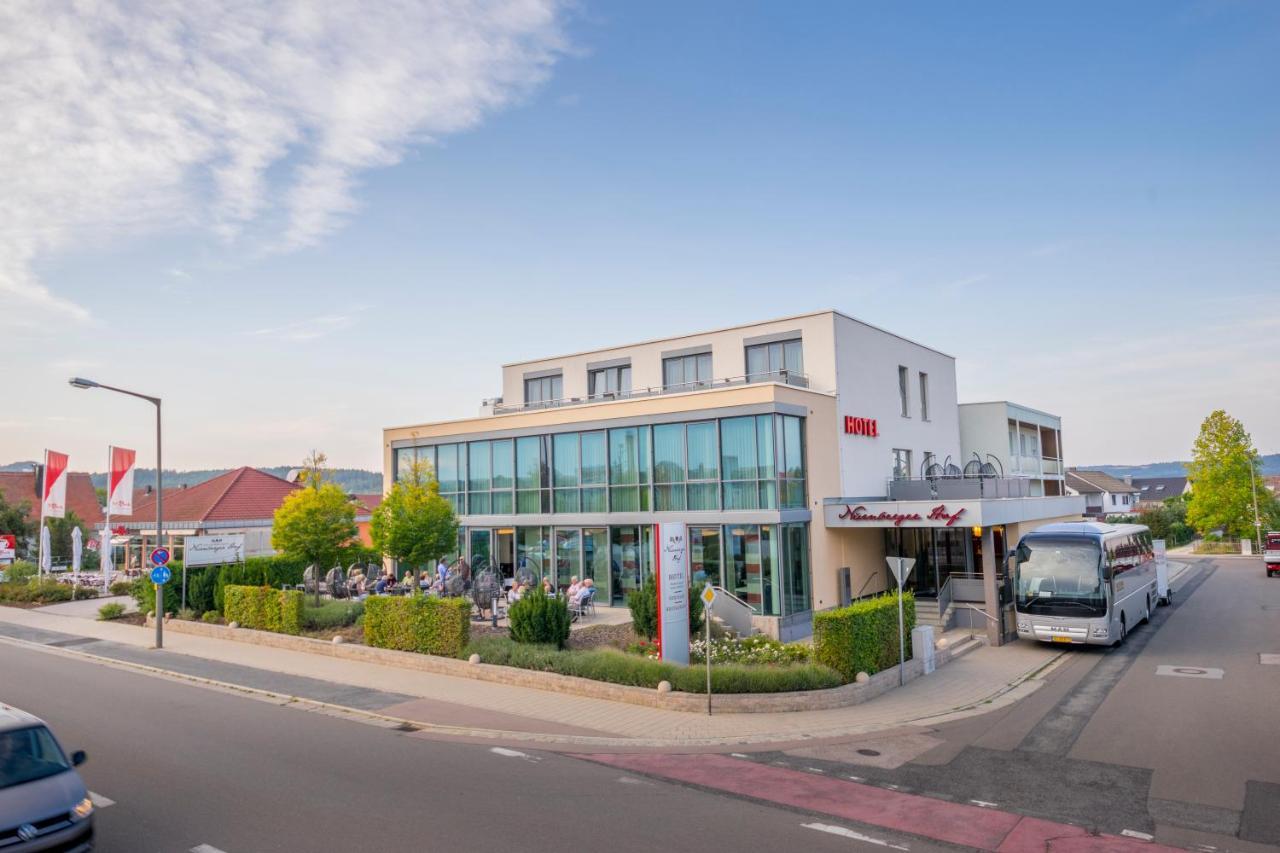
406,727
72,641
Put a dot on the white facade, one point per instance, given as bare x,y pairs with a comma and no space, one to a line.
1025,442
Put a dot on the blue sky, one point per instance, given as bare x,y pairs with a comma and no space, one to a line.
1080,203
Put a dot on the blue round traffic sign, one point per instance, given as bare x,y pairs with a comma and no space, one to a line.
160,556
161,574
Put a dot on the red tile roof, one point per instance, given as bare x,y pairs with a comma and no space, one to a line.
19,486
244,494
369,502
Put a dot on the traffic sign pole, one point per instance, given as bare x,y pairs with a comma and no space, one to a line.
159,577
708,595
901,567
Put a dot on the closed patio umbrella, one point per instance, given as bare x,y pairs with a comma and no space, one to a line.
106,552
77,550
46,559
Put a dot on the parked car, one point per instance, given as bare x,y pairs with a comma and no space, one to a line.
1271,554
44,804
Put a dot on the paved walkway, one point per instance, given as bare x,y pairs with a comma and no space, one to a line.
87,608
982,680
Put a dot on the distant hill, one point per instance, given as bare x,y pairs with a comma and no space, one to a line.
1270,465
350,479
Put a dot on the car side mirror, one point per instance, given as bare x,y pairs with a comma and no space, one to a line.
78,757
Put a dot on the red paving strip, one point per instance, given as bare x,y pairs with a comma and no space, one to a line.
954,823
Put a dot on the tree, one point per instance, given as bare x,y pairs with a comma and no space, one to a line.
14,520
414,525
316,523
1222,494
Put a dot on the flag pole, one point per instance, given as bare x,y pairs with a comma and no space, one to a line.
44,482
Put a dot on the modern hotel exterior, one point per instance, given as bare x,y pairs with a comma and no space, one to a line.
800,452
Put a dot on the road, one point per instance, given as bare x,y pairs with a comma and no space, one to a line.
1174,734
188,766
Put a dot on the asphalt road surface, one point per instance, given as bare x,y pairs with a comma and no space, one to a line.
1176,733
190,768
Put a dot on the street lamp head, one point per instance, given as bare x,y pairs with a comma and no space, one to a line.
78,382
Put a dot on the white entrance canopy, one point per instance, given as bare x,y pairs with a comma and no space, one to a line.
851,512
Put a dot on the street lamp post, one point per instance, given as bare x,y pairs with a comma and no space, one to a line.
85,384
1257,521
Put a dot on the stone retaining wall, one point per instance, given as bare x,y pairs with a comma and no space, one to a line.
726,703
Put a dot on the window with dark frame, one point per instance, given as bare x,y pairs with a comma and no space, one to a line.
543,390
609,382
904,391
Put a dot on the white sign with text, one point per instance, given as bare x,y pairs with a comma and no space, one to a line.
212,550
672,572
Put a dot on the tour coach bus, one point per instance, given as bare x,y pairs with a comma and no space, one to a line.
1083,582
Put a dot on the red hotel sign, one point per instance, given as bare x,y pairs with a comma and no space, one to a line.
938,513
861,426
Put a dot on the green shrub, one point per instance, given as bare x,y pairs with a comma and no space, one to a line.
256,571
539,618
643,603
417,623
144,592
35,592
114,610
331,614
21,570
615,667
122,587
211,616
862,637
83,592
264,608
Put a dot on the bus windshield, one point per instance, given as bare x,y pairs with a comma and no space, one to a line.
1059,578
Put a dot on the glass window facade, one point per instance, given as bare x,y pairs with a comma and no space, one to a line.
609,382
775,361
754,462
686,372
544,390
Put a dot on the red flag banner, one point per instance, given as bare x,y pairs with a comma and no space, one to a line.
120,482
54,500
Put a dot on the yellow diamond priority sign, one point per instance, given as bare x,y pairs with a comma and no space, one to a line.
708,595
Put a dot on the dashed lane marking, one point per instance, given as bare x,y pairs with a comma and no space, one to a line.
815,770
99,801
849,833
1267,658
206,848
512,753
1133,833
984,804
632,780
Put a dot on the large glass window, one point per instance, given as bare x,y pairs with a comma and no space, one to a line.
533,554
451,471
790,435
609,382
568,556
780,361
738,463
703,466
630,559
405,458
595,560
924,396
704,556
668,467
901,464
685,372
629,469
565,469
795,568
543,390
503,477
532,494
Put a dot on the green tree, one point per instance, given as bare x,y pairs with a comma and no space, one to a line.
14,520
1222,496
316,523
414,525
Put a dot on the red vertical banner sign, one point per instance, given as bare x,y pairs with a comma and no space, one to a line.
120,481
53,501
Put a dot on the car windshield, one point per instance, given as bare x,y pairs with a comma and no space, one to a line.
1059,577
29,754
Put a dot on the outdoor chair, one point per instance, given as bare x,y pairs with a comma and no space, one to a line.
584,605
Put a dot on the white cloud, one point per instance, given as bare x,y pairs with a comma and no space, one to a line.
307,330
254,121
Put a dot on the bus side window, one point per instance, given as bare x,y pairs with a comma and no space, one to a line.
1113,560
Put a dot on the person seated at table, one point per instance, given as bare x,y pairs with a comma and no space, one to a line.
356,582
547,588
516,592
380,585
571,594
408,581
583,593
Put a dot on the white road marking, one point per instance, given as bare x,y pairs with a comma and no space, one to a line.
99,801
815,770
1133,833
737,755
631,780
1265,658
1190,671
984,804
849,833
512,753
855,778
206,848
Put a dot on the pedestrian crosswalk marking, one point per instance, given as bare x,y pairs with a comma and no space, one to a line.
99,801
849,833
206,848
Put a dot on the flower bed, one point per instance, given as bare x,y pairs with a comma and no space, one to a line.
752,650
616,667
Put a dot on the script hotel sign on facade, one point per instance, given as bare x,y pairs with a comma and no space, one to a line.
895,516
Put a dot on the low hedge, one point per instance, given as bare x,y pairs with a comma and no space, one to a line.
616,667
37,592
862,637
331,614
418,623
265,609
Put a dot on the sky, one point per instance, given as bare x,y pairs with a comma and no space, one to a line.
299,223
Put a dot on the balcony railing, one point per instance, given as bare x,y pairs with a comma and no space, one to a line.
784,377
958,488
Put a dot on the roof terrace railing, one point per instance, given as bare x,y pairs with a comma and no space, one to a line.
785,377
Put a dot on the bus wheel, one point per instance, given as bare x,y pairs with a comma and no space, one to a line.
1146,615
1124,631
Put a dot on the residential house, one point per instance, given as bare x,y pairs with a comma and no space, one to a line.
1104,495
1153,491
19,487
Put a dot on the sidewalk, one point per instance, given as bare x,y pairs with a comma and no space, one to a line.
982,680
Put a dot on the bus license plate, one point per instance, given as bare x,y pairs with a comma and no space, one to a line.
1061,639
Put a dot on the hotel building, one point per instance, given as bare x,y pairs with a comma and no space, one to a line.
800,452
